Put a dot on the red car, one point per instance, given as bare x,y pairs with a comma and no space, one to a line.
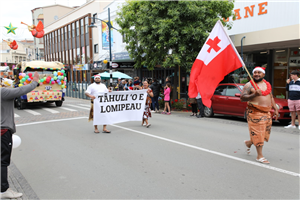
226,100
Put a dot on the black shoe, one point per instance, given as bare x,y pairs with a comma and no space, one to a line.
199,116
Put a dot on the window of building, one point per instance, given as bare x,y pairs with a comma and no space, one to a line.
77,28
58,35
62,34
66,32
96,48
86,24
69,31
73,29
81,26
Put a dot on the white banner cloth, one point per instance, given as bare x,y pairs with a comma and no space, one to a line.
119,106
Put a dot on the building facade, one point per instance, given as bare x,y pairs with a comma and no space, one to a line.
46,15
267,34
70,40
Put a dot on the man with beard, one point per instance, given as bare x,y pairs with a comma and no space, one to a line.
260,102
91,92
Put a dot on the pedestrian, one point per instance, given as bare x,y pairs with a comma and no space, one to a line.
155,87
168,80
293,87
167,92
8,95
121,85
147,112
260,102
136,81
193,103
91,92
130,85
200,106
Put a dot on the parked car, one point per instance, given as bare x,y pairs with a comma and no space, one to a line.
226,100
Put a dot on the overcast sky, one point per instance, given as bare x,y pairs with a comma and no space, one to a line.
15,11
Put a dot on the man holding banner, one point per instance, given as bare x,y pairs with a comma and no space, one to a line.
92,92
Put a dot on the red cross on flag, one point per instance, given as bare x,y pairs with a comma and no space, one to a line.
217,58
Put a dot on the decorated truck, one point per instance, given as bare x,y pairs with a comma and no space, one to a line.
52,82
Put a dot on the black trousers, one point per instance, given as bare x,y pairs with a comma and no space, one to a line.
155,103
194,108
201,107
6,148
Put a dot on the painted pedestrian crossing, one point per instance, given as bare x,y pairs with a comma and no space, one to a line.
56,110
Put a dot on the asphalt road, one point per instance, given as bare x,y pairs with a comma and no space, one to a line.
178,157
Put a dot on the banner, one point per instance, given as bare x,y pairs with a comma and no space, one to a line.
119,106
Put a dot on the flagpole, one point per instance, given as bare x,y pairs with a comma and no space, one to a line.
237,54
250,77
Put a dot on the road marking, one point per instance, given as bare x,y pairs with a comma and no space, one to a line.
78,107
85,105
32,112
50,110
16,115
69,109
214,152
50,121
180,143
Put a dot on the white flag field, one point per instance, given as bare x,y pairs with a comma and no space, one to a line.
119,106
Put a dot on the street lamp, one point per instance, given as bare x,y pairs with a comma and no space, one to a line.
109,29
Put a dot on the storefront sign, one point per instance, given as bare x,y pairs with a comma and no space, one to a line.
120,56
114,65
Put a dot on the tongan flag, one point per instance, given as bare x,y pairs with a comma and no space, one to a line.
217,58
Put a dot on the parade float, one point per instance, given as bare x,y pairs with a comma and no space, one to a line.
52,82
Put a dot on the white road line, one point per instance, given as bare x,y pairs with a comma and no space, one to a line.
51,110
16,115
69,109
180,143
85,105
214,152
50,121
78,107
32,112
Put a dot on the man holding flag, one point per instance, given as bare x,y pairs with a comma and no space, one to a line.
219,55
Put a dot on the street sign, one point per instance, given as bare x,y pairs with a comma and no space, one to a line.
114,65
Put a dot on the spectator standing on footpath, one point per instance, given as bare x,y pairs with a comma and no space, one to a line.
168,80
167,92
8,127
136,81
156,91
91,92
121,85
193,103
260,103
293,87
200,106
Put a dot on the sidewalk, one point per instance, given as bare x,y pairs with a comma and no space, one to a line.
18,183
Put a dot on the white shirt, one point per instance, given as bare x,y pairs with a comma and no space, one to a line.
199,96
94,89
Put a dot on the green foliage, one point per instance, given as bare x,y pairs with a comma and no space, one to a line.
151,28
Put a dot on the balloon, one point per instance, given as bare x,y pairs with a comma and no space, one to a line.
20,77
41,83
55,78
29,74
52,79
23,74
23,79
25,83
59,83
58,73
62,86
20,74
20,85
28,79
55,73
16,141
63,71
45,82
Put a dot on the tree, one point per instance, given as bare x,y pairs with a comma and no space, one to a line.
152,28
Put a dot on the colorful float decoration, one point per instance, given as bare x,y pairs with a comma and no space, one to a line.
53,85
36,30
13,45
